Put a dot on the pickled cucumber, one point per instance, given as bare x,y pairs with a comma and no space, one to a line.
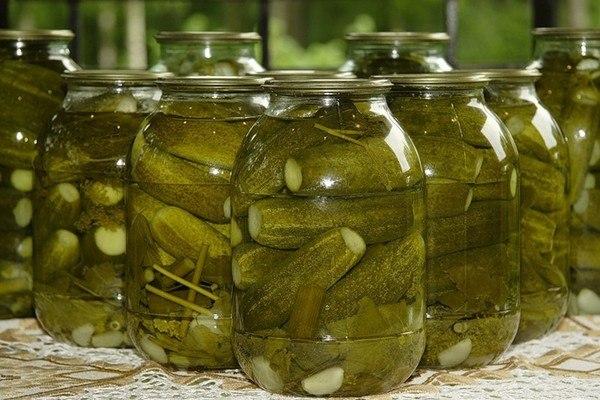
286,223
322,261
485,223
347,168
201,190
446,198
386,274
251,264
447,158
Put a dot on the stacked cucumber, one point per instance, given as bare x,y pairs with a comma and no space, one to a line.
472,235
544,214
179,299
569,87
80,235
30,95
329,254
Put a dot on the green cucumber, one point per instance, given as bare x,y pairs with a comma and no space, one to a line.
199,189
16,210
15,246
251,263
587,208
494,169
367,166
207,142
321,262
386,274
584,250
485,223
58,254
543,187
448,158
59,208
287,223
537,230
446,198
182,235
503,190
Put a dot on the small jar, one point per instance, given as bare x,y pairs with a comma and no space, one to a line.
396,53
544,209
31,91
79,234
569,60
472,175
328,274
179,273
208,53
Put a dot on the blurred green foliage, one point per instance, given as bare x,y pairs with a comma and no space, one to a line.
303,33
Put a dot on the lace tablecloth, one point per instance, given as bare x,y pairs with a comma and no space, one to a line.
564,365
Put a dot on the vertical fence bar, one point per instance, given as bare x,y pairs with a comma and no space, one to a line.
451,17
544,13
3,14
263,30
75,27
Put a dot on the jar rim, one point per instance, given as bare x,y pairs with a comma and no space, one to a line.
207,36
293,74
328,86
202,83
567,33
510,75
40,35
111,77
397,37
441,79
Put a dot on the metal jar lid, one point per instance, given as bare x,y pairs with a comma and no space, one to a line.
41,35
438,79
398,37
206,37
510,75
331,86
567,33
211,83
111,77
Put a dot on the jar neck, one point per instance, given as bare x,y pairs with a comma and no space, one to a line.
511,92
34,49
208,50
576,46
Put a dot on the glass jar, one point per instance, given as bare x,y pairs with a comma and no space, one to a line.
569,60
472,176
79,234
31,91
179,274
396,53
208,53
544,210
328,274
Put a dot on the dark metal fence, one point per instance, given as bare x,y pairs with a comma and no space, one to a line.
544,14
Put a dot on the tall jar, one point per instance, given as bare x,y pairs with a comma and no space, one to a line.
79,234
544,209
377,53
208,53
179,273
569,60
328,200
31,91
472,176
